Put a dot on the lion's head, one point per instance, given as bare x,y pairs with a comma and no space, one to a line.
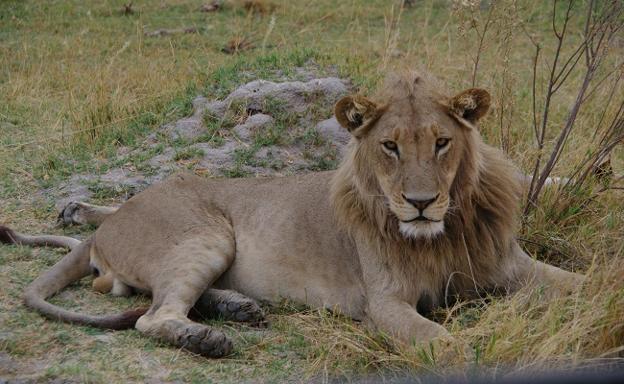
413,149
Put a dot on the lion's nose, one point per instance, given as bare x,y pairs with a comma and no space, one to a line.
419,202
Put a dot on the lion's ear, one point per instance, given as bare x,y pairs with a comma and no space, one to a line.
471,104
355,113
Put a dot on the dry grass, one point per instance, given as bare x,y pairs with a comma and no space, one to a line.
80,79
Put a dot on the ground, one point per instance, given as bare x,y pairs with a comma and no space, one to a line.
100,99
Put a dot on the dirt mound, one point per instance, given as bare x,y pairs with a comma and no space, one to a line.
261,128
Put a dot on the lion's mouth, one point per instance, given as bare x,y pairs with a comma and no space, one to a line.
421,218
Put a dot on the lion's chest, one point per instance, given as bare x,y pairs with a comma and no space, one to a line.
430,279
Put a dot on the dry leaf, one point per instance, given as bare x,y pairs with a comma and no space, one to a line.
211,7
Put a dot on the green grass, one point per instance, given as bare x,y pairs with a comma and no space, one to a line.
79,80
188,153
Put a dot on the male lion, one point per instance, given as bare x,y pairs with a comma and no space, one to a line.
420,210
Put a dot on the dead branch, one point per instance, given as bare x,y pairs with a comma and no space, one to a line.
599,32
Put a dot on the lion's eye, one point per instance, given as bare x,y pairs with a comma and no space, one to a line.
391,146
442,142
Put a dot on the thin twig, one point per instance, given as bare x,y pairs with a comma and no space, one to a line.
544,246
481,43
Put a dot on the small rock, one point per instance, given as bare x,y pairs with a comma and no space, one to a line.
252,124
199,104
332,131
104,338
120,177
161,160
216,108
294,95
7,364
123,151
187,128
215,158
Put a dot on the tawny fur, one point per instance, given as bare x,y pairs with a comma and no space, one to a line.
479,228
104,283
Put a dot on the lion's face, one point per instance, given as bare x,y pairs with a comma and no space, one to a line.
415,162
414,147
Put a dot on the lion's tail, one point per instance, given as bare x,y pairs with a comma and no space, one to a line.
72,267
8,236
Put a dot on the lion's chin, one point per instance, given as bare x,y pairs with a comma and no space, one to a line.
421,230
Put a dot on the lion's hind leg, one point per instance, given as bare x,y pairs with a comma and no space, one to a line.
187,271
230,305
78,213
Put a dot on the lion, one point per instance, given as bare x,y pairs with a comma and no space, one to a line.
420,211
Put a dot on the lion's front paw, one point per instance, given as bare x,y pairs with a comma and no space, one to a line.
446,350
204,341
449,350
563,284
438,346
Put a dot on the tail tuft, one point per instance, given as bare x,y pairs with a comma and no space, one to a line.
7,236
127,319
